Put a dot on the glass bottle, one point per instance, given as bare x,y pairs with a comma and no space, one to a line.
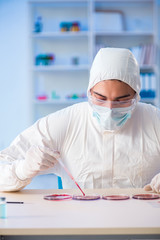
2,207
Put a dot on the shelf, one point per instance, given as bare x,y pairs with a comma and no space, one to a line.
73,101
151,68
60,34
124,33
87,33
148,100
78,68
61,68
124,1
59,101
58,1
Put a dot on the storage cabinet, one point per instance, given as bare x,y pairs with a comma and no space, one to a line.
66,35
138,32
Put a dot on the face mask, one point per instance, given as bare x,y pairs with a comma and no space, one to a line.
112,119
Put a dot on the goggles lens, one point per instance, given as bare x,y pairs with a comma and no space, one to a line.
111,104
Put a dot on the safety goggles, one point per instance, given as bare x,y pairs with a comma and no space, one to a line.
111,104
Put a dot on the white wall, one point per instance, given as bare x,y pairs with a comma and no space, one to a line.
15,107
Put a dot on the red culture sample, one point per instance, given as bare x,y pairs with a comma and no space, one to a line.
58,197
86,197
115,197
146,196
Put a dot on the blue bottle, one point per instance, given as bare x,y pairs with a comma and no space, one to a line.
2,207
38,26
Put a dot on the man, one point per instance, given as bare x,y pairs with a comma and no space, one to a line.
110,141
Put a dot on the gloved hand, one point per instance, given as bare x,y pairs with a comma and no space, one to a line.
37,159
154,184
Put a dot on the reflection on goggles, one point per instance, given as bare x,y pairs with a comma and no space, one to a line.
113,104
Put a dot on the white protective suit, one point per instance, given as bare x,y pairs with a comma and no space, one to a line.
129,157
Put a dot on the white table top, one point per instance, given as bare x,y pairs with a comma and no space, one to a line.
74,217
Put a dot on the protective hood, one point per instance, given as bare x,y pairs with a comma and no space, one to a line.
115,63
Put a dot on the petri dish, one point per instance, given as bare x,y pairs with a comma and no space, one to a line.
86,197
58,197
116,197
146,196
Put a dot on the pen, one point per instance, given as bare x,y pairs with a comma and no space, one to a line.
15,202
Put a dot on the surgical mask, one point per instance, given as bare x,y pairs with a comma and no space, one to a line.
114,118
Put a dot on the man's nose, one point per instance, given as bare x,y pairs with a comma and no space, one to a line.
110,104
